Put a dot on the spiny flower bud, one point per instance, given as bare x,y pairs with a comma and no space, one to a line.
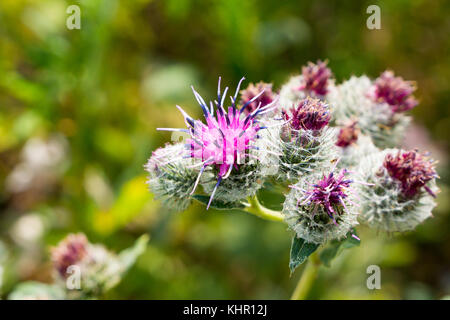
321,208
347,135
254,90
172,175
310,114
315,78
403,193
395,91
307,143
315,81
71,251
352,100
223,144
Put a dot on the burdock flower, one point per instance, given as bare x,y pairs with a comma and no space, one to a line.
348,135
224,144
321,207
309,114
71,251
315,78
353,100
403,192
315,81
307,142
254,90
394,91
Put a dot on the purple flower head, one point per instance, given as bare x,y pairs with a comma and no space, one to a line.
253,90
69,251
330,192
347,135
224,141
395,91
412,170
310,114
315,78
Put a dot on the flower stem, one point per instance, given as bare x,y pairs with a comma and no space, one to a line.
257,209
307,278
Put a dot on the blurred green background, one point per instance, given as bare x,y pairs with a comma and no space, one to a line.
79,111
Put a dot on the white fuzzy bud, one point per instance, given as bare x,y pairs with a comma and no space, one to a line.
383,205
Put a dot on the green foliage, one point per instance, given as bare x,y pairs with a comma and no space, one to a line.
128,256
333,248
300,251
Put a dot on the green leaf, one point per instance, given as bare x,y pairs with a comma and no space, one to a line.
329,252
32,290
129,256
335,247
300,251
218,204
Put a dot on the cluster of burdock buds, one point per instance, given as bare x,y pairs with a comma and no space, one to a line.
321,140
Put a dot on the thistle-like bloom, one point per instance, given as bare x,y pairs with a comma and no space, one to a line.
315,78
315,81
225,140
310,114
329,192
353,99
254,90
395,91
71,251
307,143
403,193
321,207
348,135
412,170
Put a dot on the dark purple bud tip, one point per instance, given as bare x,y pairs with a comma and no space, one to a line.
395,91
329,192
315,78
310,114
412,169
